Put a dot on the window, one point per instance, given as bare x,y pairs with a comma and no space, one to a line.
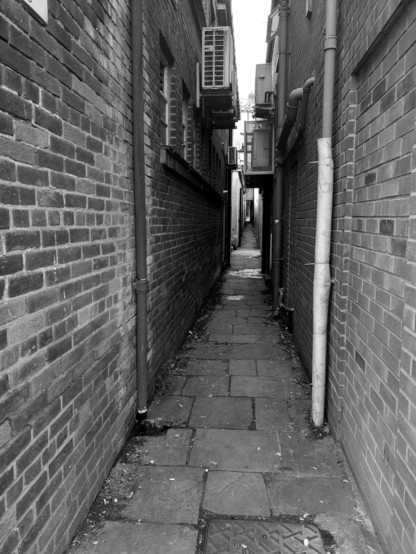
164,103
185,130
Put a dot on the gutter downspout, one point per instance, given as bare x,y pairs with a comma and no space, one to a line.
278,187
141,283
303,113
322,277
296,97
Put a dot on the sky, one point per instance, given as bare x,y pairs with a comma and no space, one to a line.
250,26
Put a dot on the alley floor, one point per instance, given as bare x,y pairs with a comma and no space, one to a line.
227,461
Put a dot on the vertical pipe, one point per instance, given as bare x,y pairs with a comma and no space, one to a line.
278,187
322,277
330,48
141,283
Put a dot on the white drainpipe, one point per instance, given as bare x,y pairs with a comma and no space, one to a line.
322,277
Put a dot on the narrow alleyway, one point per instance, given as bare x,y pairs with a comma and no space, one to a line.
229,463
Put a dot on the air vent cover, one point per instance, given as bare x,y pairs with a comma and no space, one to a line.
217,58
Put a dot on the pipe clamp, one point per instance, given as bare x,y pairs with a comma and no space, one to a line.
141,286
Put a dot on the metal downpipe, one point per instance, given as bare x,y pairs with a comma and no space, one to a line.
322,277
141,283
295,98
298,96
278,187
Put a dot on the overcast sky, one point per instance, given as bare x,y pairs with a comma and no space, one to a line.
250,26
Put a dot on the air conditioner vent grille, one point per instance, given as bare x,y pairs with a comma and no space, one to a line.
217,57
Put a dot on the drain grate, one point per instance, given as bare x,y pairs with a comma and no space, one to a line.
258,537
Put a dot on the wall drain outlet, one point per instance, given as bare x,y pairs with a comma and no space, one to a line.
258,537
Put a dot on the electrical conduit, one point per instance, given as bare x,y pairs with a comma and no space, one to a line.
322,277
141,283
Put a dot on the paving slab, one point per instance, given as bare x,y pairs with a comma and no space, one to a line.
222,413
257,387
308,456
220,327
226,319
143,538
170,410
232,338
206,352
271,413
254,352
234,493
301,495
203,367
279,368
167,450
206,385
243,367
253,451
175,385
255,329
166,495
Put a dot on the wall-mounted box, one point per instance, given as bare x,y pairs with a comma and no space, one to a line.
258,144
217,58
263,90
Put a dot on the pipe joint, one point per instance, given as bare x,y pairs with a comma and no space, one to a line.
141,414
141,286
308,84
330,42
283,9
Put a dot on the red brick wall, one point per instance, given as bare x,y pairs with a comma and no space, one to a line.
67,255
379,385
371,354
184,211
67,308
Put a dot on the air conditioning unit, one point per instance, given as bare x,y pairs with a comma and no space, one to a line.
263,89
217,57
232,156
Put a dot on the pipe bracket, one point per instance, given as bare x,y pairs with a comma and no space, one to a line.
141,286
330,42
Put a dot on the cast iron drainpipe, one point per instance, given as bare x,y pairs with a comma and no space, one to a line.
322,276
296,97
278,186
141,283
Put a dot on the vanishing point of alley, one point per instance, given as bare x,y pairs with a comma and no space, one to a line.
227,461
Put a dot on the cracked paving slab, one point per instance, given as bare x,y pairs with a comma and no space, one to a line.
234,493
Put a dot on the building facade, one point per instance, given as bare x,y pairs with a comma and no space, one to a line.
371,331
73,157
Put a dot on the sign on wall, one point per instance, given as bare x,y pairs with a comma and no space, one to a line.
39,7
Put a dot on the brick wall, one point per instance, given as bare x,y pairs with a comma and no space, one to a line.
66,309
67,256
378,377
371,354
300,174
185,209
